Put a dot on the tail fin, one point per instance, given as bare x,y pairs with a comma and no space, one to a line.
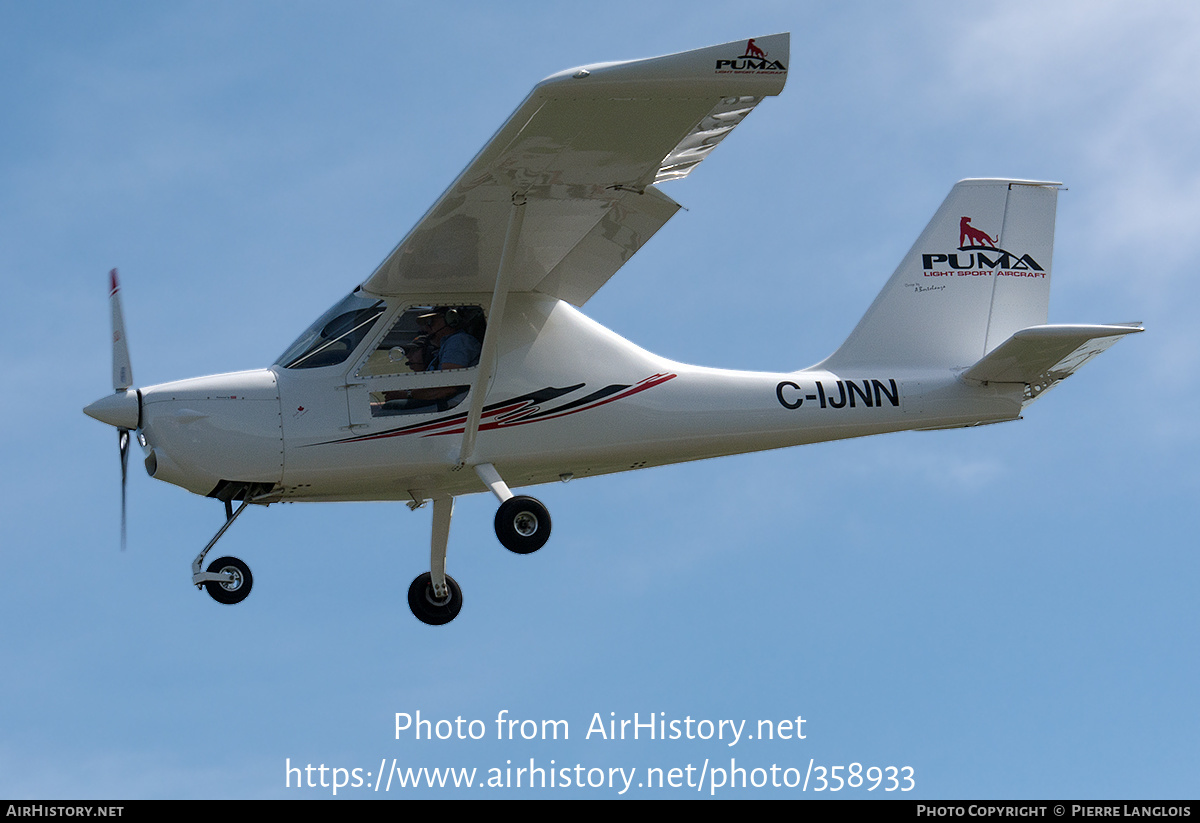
978,273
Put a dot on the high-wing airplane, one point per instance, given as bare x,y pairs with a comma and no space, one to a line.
462,364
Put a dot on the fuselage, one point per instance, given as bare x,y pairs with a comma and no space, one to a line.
568,399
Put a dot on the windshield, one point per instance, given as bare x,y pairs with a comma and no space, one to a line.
335,335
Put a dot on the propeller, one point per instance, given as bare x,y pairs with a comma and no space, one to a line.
122,380
121,409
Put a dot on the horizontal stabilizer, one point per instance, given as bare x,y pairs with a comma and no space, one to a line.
1040,356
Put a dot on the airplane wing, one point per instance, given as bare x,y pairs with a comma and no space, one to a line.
585,151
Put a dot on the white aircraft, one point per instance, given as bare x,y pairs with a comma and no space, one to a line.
462,364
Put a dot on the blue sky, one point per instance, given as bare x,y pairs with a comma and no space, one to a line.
1008,610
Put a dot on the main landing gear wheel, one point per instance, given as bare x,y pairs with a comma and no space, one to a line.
432,610
522,524
233,591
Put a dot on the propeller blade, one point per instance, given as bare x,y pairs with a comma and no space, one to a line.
122,368
122,380
123,440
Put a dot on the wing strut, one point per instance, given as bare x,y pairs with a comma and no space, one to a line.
487,354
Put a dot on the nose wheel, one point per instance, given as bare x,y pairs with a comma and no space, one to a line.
234,585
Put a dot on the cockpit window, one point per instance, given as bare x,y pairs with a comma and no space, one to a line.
335,335
428,339
423,340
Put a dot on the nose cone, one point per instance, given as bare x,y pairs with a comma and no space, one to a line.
225,427
121,409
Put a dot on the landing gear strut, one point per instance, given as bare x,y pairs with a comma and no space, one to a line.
522,525
228,580
434,597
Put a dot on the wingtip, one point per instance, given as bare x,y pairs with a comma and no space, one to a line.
757,63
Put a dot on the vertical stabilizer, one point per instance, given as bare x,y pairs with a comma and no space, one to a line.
979,272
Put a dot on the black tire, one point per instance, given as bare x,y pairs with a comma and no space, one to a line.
230,593
522,524
427,608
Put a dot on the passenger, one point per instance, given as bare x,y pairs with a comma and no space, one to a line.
417,352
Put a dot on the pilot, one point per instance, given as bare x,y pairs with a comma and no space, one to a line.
416,352
456,347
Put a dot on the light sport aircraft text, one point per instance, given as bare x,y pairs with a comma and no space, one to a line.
462,364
